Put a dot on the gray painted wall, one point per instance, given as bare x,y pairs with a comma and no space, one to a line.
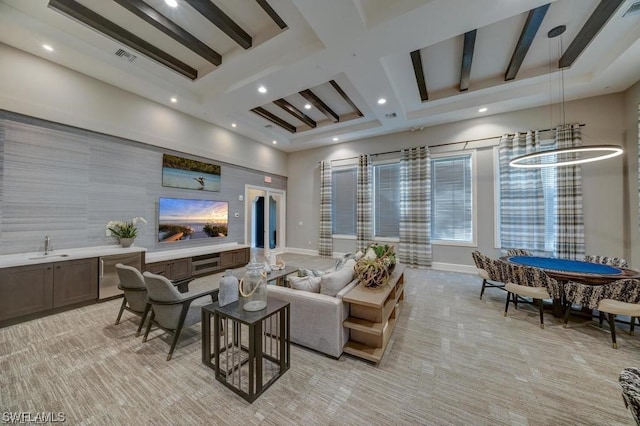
605,198
68,183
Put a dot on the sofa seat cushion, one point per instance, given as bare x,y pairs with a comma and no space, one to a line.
332,283
311,284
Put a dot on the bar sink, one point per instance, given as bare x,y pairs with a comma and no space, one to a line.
48,256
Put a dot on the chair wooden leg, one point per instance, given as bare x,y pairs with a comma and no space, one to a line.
612,327
176,333
541,314
484,283
567,311
506,307
122,306
515,300
143,318
633,320
146,333
600,318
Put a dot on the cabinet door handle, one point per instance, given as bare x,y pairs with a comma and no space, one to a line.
101,268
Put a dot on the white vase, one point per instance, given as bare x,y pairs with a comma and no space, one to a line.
126,242
228,292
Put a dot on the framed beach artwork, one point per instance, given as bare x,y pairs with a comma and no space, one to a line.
178,172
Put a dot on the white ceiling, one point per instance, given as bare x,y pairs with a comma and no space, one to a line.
362,45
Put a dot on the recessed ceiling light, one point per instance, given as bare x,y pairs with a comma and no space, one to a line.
171,3
262,89
47,47
275,142
233,124
382,101
335,139
482,110
174,100
307,106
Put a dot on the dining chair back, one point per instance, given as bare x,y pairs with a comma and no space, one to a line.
172,310
630,384
518,252
135,293
534,283
605,260
487,271
621,297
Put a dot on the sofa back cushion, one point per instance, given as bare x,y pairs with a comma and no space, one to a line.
332,283
311,284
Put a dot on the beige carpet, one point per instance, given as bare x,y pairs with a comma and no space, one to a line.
453,359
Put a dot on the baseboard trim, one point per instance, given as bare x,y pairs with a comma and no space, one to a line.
295,250
454,267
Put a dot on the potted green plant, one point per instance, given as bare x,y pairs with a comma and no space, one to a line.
125,232
375,267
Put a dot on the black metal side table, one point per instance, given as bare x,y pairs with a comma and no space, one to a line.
251,350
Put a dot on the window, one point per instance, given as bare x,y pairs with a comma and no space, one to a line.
386,200
343,202
452,214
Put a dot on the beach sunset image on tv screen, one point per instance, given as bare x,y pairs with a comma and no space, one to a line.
186,219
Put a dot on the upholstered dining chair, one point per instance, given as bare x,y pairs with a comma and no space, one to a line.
605,260
486,271
534,283
518,252
171,310
621,297
135,294
630,384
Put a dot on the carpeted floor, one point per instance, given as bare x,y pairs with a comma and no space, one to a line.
453,359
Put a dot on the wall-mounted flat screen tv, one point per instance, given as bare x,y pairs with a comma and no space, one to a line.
182,219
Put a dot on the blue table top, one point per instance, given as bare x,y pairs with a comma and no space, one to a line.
565,265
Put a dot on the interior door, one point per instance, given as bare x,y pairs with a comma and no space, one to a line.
265,225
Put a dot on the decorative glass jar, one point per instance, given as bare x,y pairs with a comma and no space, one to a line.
253,287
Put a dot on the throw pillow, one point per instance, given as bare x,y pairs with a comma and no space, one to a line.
304,272
340,263
333,282
311,284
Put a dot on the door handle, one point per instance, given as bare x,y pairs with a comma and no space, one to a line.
101,269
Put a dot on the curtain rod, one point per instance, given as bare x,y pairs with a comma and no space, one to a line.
446,144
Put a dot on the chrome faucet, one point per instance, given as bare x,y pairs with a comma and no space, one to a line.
47,244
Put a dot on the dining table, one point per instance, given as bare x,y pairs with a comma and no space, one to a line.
565,270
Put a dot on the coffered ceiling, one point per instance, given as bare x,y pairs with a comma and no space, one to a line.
326,64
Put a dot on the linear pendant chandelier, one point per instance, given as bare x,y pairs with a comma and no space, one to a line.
565,156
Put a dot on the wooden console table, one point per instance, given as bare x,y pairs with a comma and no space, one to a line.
373,316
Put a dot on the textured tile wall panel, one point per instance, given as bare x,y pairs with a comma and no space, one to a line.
68,183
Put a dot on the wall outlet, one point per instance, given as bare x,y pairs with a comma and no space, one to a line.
240,198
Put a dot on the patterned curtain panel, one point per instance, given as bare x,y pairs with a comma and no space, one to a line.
569,217
522,202
325,241
415,207
364,232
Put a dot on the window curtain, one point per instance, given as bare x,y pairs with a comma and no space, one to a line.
569,216
364,227
522,203
325,241
415,207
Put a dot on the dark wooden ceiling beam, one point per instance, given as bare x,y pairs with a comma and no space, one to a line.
531,26
321,106
153,17
603,12
467,59
272,14
418,71
274,119
346,97
91,19
295,112
221,20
